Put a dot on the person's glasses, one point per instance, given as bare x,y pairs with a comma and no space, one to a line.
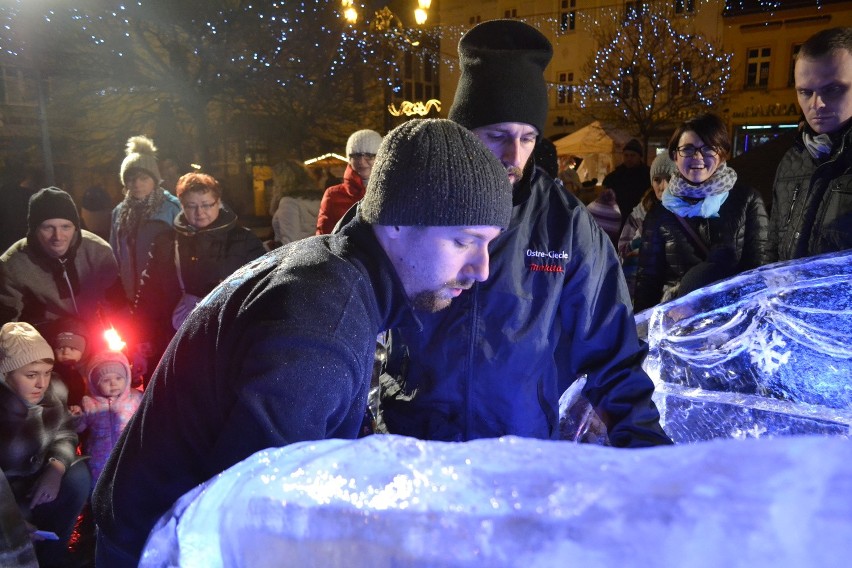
689,151
361,155
205,207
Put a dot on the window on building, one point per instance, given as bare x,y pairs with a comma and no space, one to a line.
568,16
757,67
684,6
794,52
18,87
511,13
565,90
419,79
681,83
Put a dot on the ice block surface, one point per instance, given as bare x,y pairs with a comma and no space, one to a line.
766,353
390,501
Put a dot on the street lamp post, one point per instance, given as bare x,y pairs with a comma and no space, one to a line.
47,152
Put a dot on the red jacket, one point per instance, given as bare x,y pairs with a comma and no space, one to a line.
338,199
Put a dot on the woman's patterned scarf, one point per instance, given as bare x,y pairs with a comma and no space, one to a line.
701,200
135,210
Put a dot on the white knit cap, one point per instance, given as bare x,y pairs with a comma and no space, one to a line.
21,344
363,142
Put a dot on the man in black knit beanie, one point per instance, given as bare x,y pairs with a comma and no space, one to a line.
556,307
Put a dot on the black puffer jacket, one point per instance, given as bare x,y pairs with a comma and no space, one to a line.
207,257
736,240
812,202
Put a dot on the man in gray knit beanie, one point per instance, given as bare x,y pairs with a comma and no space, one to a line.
289,339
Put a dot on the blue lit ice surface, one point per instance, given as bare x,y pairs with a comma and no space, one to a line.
767,353
764,355
390,502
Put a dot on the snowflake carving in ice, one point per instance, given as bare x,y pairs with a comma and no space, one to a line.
766,352
756,431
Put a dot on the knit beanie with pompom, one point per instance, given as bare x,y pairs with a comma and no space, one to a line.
141,155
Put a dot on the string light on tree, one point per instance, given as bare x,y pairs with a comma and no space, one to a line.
648,74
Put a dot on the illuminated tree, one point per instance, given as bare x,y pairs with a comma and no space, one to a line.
649,76
193,73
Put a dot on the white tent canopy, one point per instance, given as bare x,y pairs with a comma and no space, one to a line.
598,145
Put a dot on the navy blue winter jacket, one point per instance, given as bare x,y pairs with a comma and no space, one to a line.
555,307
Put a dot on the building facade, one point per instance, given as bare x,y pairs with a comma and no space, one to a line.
762,38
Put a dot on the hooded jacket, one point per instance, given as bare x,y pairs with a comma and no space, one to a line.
812,202
207,257
736,240
105,417
337,200
38,288
132,254
555,307
280,352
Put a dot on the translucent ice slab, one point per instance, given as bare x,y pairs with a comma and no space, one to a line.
766,353
390,501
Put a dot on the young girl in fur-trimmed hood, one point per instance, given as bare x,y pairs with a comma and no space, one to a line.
107,408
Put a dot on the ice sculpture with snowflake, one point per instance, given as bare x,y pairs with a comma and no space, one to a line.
766,353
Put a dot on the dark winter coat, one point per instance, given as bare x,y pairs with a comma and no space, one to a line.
132,252
337,200
736,241
207,257
31,434
280,352
496,361
812,202
38,289
629,185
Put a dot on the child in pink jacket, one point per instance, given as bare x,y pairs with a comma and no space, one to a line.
107,408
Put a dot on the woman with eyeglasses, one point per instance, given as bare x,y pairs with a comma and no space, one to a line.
707,227
207,246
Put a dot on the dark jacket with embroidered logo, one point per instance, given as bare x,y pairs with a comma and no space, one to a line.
280,352
812,202
495,362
